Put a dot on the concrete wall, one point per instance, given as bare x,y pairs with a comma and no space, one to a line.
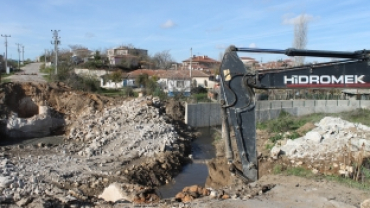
203,114
208,114
92,72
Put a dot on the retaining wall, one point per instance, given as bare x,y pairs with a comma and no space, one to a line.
209,114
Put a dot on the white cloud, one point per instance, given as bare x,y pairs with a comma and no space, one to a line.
289,19
252,45
168,24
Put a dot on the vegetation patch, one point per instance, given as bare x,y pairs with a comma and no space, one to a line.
288,126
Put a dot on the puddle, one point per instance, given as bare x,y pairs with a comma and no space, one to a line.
195,173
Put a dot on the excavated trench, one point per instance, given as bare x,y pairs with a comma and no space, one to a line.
196,172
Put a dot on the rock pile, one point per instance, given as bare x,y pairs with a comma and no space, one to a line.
334,142
241,190
39,125
128,192
119,144
131,130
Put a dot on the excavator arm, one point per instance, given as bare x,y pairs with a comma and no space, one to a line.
238,100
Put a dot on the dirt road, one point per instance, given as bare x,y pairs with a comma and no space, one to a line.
29,73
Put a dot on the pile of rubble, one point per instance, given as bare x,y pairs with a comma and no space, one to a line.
130,143
334,143
131,130
241,191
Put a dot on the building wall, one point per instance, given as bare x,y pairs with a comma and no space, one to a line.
92,72
110,84
178,86
200,82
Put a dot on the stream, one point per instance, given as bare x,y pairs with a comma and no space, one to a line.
194,173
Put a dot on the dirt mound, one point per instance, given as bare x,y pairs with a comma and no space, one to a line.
25,98
175,110
56,95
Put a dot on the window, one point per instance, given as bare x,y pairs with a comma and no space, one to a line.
180,84
205,83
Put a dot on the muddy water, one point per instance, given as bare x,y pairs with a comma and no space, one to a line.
196,172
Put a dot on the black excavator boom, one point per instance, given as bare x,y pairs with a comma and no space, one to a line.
238,100
360,54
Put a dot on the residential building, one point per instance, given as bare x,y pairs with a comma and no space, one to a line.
125,55
171,81
356,94
200,63
277,64
250,62
81,55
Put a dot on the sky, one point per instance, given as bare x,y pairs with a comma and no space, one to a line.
207,27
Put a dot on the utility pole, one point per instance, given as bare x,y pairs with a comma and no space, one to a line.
45,57
56,42
19,55
6,52
22,54
191,58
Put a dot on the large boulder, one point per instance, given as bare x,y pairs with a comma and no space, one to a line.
115,193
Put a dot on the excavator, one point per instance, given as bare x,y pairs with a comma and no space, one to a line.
237,97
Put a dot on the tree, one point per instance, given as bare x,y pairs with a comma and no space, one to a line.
142,79
163,60
80,51
116,77
300,36
64,55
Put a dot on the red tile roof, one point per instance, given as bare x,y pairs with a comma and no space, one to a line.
168,73
201,59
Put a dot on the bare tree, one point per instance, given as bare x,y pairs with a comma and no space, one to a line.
80,51
77,46
300,36
163,60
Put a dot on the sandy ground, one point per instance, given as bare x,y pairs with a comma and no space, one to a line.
292,191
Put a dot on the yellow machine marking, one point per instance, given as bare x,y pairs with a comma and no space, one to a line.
227,75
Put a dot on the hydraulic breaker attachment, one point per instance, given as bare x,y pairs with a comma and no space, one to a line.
238,102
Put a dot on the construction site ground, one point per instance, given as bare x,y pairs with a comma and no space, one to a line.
76,167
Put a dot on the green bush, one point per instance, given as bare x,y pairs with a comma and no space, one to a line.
276,138
201,97
128,92
294,135
277,169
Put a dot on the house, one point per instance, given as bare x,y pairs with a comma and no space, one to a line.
81,55
356,94
129,79
277,64
175,82
125,56
171,81
182,81
200,63
250,62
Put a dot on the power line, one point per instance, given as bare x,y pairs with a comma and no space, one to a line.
6,50
56,42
